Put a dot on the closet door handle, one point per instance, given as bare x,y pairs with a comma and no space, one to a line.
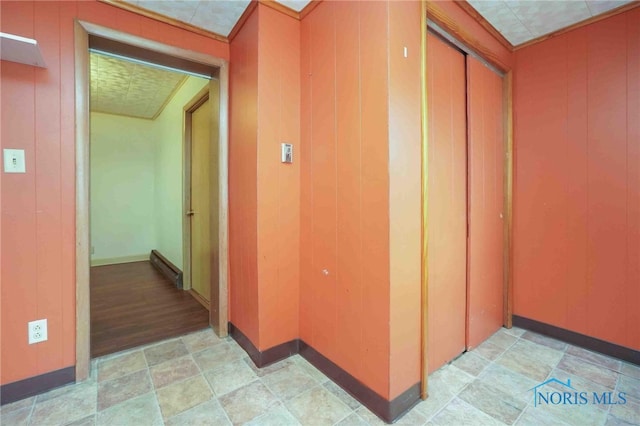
190,213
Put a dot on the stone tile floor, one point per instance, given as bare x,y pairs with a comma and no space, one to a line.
199,379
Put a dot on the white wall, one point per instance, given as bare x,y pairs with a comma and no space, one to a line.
140,162
122,183
168,179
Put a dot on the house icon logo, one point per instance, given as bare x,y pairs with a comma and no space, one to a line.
541,397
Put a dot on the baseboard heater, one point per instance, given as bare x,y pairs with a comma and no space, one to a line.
166,268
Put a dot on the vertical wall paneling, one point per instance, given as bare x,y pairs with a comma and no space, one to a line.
576,209
447,203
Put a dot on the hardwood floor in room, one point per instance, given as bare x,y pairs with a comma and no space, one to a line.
132,304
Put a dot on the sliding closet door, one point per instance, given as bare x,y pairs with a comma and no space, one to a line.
486,202
447,202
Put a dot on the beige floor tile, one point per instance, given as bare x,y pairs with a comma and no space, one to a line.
181,396
18,405
112,392
534,417
87,386
229,377
165,351
173,371
451,378
630,386
545,341
439,396
412,418
198,341
502,339
352,419
514,331
499,405
595,358
488,351
248,402
630,370
614,421
121,366
87,421
342,395
579,415
142,410
629,412
269,368
288,382
458,412
530,359
209,413
509,382
71,406
471,363
16,417
275,416
582,368
310,369
318,407
217,356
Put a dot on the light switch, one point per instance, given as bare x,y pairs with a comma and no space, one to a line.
287,153
14,161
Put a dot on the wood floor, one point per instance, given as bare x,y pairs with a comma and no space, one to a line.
132,304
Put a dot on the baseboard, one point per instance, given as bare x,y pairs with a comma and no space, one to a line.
587,342
166,268
12,392
389,411
119,260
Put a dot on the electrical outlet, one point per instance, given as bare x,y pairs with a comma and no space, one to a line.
37,331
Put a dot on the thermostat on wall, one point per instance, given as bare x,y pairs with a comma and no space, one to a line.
287,153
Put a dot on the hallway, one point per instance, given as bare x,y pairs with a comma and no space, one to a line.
200,379
132,304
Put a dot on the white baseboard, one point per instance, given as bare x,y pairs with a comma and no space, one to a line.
118,260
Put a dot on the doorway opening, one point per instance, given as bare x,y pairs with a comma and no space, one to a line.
126,221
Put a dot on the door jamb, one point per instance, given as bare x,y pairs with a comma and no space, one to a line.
82,30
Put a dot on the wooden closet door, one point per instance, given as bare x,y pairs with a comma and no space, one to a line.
447,202
486,202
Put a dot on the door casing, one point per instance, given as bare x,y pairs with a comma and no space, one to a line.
217,317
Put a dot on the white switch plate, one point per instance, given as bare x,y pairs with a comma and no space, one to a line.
37,331
14,161
287,153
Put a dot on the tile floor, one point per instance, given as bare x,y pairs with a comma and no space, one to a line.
200,379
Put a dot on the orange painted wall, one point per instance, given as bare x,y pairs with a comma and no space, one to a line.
577,180
264,193
278,183
38,208
243,157
360,149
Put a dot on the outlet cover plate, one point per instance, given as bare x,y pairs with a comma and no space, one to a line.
37,331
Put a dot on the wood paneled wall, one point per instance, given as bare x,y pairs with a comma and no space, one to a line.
38,208
577,180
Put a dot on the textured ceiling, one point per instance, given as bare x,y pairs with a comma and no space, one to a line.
520,21
126,88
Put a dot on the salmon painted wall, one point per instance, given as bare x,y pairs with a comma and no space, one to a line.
278,183
577,180
38,207
360,150
264,193
243,150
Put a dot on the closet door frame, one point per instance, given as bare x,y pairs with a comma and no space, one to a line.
434,19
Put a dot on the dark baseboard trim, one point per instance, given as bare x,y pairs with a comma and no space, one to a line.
166,268
577,339
389,411
269,356
12,392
